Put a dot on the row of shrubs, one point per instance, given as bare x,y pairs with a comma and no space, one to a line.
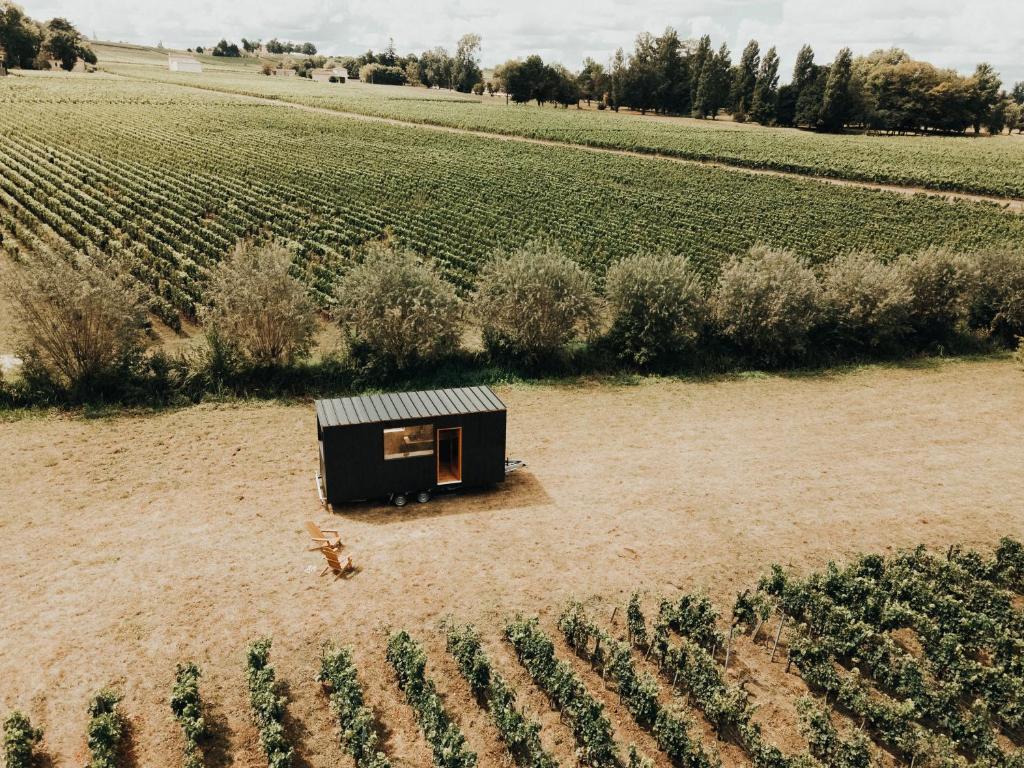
268,707
358,732
520,733
20,740
688,663
105,732
85,330
446,740
106,729
638,690
187,707
590,727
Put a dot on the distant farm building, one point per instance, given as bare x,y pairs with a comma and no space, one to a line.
57,66
339,75
183,64
283,72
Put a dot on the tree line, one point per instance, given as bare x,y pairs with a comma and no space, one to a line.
29,44
537,310
886,90
432,68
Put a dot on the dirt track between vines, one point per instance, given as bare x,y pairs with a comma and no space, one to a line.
130,543
1012,204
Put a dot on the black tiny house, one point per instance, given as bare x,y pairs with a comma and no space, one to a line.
409,444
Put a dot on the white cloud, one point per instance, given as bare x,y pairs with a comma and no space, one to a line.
949,33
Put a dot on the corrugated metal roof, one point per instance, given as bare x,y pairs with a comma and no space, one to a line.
406,406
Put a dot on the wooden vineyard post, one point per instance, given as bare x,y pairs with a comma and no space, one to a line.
778,635
757,628
728,647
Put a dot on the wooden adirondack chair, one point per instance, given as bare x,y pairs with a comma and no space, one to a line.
320,537
334,562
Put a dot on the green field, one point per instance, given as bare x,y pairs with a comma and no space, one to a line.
983,165
165,179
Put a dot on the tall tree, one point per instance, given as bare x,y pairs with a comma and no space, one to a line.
808,103
698,58
672,90
745,78
20,37
702,103
64,44
766,89
389,56
803,70
998,115
617,80
436,68
530,80
592,81
1017,94
837,100
985,91
467,63
642,74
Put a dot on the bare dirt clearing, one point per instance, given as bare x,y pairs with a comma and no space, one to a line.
134,542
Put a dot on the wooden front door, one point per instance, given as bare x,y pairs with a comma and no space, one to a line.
449,455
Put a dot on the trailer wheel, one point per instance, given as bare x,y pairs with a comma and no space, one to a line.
399,500
423,497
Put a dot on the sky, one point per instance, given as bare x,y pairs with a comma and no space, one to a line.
948,33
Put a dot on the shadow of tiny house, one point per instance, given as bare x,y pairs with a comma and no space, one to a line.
410,445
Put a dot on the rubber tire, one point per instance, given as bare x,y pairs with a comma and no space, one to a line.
423,497
399,500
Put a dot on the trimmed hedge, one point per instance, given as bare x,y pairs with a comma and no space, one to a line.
540,314
358,734
188,711
20,739
446,740
106,729
520,734
267,707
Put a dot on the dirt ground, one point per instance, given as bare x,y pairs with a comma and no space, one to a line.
132,543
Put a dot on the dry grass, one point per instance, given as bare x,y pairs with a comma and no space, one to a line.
134,542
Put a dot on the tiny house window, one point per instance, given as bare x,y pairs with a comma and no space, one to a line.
406,442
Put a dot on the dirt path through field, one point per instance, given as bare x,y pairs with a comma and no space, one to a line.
1012,204
130,543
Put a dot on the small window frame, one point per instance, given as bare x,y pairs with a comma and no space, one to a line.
411,435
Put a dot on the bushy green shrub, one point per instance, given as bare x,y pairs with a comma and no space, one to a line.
358,734
20,739
590,726
106,728
82,331
766,303
448,744
825,742
657,307
995,293
866,303
258,308
396,311
520,734
188,711
534,301
267,706
936,279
